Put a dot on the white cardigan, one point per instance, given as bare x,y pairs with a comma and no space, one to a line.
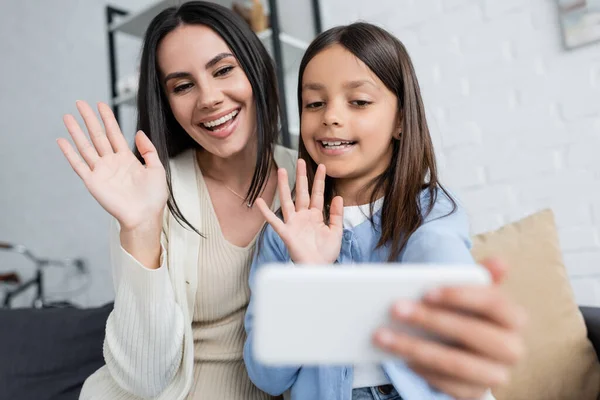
149,347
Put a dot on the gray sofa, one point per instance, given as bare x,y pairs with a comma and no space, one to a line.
47,354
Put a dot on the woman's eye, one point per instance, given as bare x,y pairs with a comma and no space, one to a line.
224,71
181,88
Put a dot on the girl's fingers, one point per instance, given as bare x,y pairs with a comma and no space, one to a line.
113,131
285,195
472,333
497,269
456,388
442,359
147,150
488,302
302,196
336,213
273,220
318,189
79,166
85,148
95,128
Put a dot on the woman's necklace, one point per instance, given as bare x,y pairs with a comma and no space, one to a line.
248,204
236,193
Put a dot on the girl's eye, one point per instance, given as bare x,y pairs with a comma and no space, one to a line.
361,103
315,104
224,71
181,88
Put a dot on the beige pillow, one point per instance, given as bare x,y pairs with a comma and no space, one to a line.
560,363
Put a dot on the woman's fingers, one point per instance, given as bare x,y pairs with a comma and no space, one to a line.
475,334
147,150
79,166
302,196
456,388
113,131
285,195
442,359
85,148
95,128
485,301
318,189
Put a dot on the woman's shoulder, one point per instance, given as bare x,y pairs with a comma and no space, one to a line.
185,159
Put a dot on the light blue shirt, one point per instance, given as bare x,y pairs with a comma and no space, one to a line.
442,238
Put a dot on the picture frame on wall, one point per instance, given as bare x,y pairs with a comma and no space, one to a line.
580,22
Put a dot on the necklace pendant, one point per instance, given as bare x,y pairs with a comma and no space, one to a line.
248,204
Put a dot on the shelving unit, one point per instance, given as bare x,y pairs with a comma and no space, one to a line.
286,50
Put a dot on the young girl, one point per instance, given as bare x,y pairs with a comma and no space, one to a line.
366,151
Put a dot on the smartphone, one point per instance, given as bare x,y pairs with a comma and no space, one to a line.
323,314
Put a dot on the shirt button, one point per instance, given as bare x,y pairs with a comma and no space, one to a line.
348,235
385,389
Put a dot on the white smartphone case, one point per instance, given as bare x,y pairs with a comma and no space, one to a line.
327,315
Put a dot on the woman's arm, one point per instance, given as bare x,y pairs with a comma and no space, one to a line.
143,346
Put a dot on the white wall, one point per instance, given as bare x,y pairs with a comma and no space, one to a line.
53,53
516,118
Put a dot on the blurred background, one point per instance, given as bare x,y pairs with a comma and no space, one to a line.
512,90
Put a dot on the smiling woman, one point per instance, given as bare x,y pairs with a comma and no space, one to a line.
205,151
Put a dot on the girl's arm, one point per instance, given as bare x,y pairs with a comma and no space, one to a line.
272,380
485,323
302,236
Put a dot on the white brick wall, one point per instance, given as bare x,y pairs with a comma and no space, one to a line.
515,117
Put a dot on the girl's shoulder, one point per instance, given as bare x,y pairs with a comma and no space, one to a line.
446,211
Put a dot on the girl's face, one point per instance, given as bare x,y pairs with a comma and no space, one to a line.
208,92
349,117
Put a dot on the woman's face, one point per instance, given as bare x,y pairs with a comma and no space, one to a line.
209,93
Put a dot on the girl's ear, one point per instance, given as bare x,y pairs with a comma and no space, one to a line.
398,128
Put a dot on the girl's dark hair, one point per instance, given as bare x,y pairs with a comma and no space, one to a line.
155,117
413,167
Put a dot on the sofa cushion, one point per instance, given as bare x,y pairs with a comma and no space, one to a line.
561,362
48,353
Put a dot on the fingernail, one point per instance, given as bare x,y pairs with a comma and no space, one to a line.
385,337
404,309
523,318
503,377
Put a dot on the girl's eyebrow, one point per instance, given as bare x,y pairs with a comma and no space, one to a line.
347,85
359,83
312,86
